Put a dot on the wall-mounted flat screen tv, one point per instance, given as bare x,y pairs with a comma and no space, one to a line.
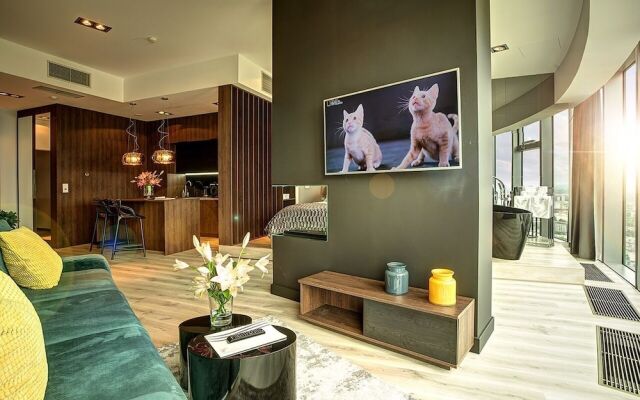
197,157
413,125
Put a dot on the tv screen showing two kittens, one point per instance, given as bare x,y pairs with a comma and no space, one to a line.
406,126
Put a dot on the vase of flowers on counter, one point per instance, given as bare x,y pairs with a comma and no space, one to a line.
148,180
221,277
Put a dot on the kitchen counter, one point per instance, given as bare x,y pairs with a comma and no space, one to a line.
169,224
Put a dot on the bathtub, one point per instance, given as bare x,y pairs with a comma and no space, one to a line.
510,228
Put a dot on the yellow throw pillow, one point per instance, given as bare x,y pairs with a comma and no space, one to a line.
29,259
24,370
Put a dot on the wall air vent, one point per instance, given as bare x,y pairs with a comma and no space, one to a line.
58,92
68,74
267,83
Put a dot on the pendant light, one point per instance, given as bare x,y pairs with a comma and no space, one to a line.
162,155
133,157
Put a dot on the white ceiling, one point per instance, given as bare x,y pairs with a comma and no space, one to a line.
187,31
180,104
538,33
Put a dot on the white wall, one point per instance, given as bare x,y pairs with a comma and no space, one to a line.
25,171
8,161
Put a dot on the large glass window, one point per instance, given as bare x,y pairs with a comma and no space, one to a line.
504,157
630,167
531,167
561,171
532,132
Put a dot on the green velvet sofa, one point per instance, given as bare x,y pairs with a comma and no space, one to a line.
96,346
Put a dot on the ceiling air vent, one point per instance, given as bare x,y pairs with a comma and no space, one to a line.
58,92
267,83
69,74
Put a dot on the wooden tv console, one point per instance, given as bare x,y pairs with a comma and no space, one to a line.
409,324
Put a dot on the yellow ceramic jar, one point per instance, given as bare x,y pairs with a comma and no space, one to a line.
442,287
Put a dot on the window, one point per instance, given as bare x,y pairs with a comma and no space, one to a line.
630,167
561,170
504,156
532,132
531,167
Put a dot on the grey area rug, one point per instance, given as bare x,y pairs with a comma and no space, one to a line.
320,373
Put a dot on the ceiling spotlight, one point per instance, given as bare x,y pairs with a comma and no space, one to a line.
152,39
92,24
164,113
54,97
499,48
138,115
164,98
7,94
133,103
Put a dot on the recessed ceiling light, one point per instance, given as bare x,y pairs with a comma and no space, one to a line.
54,97
133,103
7,94
164,98
499,48
138,115
164,113
92,24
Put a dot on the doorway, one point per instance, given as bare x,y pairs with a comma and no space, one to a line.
42,176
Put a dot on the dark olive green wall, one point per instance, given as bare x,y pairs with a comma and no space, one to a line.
322,49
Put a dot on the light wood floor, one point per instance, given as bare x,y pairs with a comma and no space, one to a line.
541,264
543,347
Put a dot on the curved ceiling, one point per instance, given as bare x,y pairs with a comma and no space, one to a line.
538,34
187,32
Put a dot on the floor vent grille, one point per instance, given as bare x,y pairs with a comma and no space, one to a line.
610,303
619,359
593,273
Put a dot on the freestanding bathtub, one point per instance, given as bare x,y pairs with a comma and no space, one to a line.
510,228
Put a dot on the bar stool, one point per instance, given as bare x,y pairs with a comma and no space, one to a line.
104,213
124,214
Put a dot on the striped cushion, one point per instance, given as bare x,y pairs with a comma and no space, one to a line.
29,259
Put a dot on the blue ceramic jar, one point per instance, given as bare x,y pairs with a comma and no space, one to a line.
396,278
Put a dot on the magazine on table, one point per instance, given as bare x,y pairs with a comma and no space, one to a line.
224,349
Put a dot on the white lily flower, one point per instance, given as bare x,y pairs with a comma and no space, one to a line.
206,252
245,241
204,271
225,275
262,263
219,259
180,265
198,246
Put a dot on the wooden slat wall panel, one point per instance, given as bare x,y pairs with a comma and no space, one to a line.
247,199
88,142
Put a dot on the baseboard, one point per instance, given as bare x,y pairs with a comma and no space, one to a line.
287,293
481,340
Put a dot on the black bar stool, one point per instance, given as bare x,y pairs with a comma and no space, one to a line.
124,214
104,213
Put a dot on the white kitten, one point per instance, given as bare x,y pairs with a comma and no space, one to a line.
359,144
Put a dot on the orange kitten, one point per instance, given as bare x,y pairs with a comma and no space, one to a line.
359,144
431,133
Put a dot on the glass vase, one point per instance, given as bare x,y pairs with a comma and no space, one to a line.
221,308
148,191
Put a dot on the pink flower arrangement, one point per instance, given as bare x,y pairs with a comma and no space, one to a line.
147,178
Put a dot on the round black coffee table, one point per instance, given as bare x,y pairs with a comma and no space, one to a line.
201,325
263,374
